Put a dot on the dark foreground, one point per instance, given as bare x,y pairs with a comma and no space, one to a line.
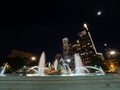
107,82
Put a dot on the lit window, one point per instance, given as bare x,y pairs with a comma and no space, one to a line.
91,46
88,43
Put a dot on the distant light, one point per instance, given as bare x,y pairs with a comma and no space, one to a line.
8,66
33,58
24,67
111,65
68,60
105,44
112,52
99,13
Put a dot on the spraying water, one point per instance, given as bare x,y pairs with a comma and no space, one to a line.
78,65
39,70
79,69
3,70
55,64
41,65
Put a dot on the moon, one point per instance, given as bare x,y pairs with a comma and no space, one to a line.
99,13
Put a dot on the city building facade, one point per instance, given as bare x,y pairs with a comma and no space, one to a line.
84,46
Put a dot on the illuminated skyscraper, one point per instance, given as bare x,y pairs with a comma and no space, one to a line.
84,46
87,47
75,47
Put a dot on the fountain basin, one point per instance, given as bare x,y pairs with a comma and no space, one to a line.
57,82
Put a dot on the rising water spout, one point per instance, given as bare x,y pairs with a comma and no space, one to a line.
3,70
78,65
41,64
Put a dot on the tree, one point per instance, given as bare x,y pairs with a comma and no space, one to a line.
97,61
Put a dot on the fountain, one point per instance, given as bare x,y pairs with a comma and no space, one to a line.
56,64
39,70
63,68
84,70
41,64
78,65
3,70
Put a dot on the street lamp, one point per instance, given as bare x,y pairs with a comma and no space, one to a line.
112,52
85,26
33,58
32,61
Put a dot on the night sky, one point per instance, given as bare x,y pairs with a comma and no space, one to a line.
40,26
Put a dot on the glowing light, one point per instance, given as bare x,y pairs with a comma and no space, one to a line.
99,13
112,66
33,58
112,52
68,60
85,26
8,66
105,44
